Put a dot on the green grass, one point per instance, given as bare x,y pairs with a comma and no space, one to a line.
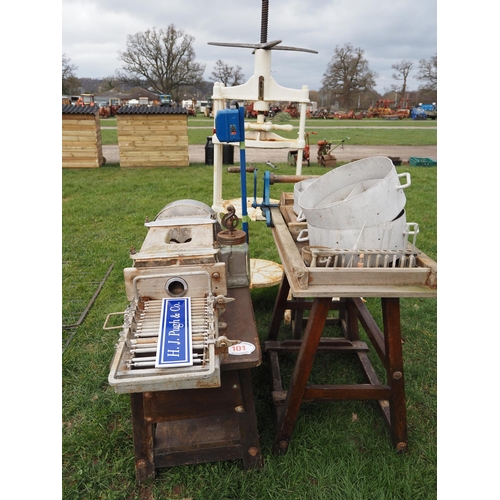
330,457
357,136
201,121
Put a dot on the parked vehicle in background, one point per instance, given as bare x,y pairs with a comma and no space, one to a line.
430,110
165,100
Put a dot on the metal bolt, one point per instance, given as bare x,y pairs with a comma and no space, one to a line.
401,447
397,375
235,386
148,395
253,451
283,445
216,276
141,464
240,409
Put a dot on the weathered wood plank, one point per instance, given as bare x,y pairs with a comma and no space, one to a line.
70,145
368,276
78,118
126,164
153,154
72,134
80,165
152,145
89,125
149,120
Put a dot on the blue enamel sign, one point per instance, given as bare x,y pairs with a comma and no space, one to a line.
174,339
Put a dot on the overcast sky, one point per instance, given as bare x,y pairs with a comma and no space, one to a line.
389,31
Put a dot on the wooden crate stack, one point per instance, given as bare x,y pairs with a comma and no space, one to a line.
81,137
153,136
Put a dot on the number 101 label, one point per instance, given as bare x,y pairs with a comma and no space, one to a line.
241,348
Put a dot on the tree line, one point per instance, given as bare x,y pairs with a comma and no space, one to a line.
163,61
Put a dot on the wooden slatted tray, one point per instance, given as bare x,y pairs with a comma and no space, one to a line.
419,281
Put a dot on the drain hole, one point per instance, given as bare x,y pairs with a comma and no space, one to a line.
176,287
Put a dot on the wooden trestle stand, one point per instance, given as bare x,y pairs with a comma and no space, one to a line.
189,426
304,288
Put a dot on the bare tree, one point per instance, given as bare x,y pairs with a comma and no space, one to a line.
401,74
228,75
70,82
108,83
163,60
427,73
348,74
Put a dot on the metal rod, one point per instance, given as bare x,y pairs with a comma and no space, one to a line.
292,179
243,180
151,364
91,302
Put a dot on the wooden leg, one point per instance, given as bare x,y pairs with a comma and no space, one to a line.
143,440
302,370
395,373
297,316
279,309
249,436
351,322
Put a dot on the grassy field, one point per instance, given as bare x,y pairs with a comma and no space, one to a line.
201,121
369,132
339,450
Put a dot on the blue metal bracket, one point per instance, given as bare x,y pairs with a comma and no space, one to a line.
266,204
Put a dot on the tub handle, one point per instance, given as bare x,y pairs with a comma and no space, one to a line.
412,229
301,217
408,180
300,237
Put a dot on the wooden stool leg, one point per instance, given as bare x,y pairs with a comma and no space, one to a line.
301,372
143,440
395,373
351,321
279,309
297,321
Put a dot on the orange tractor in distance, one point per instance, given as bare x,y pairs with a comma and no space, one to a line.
86,100
306,152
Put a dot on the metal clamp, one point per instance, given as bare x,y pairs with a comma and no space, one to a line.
222,345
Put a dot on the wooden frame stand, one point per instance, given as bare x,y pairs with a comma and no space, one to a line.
390,396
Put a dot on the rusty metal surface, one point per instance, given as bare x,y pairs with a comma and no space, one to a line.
241,325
